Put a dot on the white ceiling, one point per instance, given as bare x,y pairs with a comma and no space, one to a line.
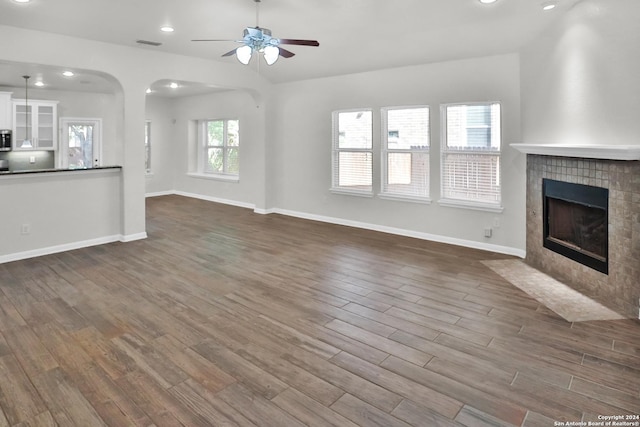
354,35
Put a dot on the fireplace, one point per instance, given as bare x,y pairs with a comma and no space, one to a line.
576,221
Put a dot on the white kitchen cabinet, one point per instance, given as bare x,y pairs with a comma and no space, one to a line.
38,120
5,110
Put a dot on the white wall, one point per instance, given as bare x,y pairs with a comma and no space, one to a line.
63,210
301,167
250,190
163,133
580,79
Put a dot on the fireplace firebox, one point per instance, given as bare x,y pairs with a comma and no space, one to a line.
576,222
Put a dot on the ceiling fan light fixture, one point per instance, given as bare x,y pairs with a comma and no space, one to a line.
271,54
244,54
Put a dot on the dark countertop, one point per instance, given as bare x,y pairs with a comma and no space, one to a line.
36,171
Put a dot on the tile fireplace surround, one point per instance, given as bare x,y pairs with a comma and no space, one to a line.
616,168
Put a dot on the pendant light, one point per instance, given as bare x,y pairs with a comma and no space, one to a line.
26,143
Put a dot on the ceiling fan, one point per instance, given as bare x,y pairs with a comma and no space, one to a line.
258,39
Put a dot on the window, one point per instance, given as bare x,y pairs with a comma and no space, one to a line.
219,153
147,146
471,154
352,152
405,152
80,143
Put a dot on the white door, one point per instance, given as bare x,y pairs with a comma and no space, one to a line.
80,145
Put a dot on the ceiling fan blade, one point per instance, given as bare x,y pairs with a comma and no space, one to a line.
213,40
300,42
231,52
285,53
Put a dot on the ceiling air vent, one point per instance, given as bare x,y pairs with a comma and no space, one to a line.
147,42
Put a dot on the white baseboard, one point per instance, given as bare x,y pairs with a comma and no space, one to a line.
133,237
71,246
160,193
407,233
216,199
58,248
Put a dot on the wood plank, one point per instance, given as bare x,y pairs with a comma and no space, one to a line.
65,401
44,419
309,411
309,384
431,399
342,378
18,398
496,407
256,408
258,380
611,396
417,415
392,321
28,349
193,364
363,414
201,406
470,416
404,352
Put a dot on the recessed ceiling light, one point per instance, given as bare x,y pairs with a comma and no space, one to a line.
68,73
22,1
39,84
149,90
488,1
549,5
167,29
173,85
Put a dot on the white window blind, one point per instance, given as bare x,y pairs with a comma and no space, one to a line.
352,151
405,152
220,147
471,153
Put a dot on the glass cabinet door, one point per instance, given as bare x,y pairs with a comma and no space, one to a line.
45,127
21,125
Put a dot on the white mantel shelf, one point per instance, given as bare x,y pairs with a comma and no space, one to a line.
606,152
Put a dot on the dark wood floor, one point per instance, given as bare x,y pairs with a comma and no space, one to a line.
226,317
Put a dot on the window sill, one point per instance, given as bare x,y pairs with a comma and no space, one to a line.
355,193
465,204
215,177
403,198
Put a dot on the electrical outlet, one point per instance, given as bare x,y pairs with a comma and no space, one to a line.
32,159
25,229
496,222
487,232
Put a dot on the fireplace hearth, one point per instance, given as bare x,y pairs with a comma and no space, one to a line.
576,222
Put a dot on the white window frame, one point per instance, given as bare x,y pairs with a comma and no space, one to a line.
336,150
468,203
385,151
203,148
